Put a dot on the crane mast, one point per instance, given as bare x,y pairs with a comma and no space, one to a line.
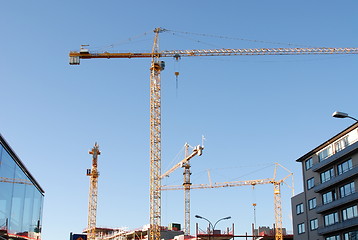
93,192
155,139
186,185
278,211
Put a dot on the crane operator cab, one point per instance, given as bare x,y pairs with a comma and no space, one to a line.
84,50
158,66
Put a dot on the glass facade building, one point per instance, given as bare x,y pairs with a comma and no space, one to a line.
21,198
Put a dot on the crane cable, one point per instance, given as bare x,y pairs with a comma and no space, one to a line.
254,206
133,39
181,34
237,38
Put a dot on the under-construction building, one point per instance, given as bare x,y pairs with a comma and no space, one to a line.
174,232
166,233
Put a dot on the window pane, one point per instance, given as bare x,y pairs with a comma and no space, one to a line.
301,228
310,183
7,169
347,189
325,153
344,167
349,213
336,237
299,208
330,219
16,208
28,207
327,175
353,235
312,203
37,213
309,163
314,224
341,144
328,197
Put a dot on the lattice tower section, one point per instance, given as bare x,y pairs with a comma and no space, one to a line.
278,211
186,186
155,142
93,192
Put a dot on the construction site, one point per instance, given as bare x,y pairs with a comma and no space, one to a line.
180,231
175,230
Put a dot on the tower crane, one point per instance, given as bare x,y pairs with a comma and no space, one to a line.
185,163
198,150
93,192
277,193
155,98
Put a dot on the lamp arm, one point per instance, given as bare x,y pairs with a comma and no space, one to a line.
217,222
352,118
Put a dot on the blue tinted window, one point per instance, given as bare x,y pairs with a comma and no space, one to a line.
7,169
20,201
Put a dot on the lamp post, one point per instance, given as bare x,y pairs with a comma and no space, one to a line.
343,115
210,224
225,218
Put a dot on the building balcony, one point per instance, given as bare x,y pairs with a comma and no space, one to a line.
336,180
337,203
338,227
331,159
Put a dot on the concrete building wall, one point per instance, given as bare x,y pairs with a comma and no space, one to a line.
299,218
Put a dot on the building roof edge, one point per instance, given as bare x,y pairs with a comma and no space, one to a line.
20,163
326,143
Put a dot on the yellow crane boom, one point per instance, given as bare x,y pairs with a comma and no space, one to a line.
221,185
155,99
196,151
85,54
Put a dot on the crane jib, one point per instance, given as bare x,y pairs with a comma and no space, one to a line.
219,52
76,56
113,55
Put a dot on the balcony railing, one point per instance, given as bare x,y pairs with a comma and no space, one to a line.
337,203
337,179
333,157
338,227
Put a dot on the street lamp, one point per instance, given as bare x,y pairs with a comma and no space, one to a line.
210,224
343,115
225,218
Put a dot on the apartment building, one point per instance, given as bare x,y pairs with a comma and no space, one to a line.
327,208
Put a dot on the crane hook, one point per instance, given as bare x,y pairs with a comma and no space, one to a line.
177,57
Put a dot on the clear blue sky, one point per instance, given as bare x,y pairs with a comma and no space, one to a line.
253,111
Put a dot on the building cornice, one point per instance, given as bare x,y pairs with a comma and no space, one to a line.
326,143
